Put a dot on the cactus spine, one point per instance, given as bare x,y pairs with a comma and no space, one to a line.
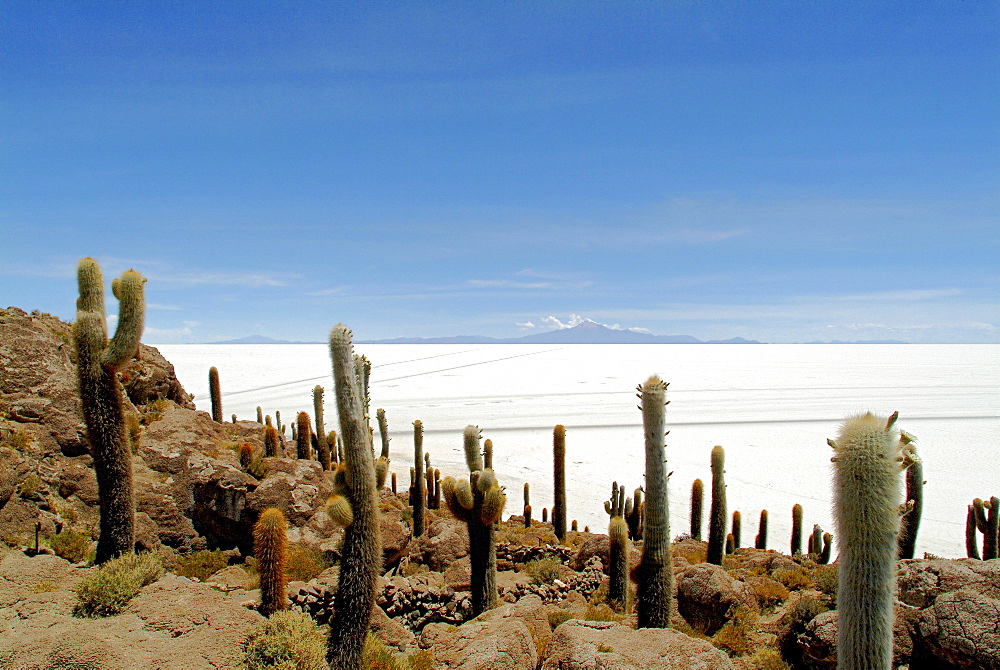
910,523
361,556
618,541
479,501
420,494
717,514
216,394
270,546
697,500
760,542
866,511
98,361
559,482
303,433
655,573
796,529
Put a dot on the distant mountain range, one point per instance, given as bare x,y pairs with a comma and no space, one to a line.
587,332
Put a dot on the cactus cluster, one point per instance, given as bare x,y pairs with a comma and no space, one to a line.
984,516
617,508
479,501
98,361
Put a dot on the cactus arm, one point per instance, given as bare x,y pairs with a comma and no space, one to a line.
470,443
131,320
361,556
911,521
655,568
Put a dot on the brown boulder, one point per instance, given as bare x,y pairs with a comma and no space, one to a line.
599,645
707,597
503,644
962,628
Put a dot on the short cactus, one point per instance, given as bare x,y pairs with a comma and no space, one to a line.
303,433
260,415
697,500
737,529
271,441
796,529
655,572
717,514
527,506
215,393
866,510
760,542
270,546
559,482
98,362
479,501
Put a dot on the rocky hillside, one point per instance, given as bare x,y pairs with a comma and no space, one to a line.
196,507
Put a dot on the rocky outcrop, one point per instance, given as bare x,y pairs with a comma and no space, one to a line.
502,644
707,597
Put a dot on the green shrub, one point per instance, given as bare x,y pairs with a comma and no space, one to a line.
200,564
543,570
792,578
108,589
18,440
29,486
559,617
286,641
825,579
304,563
74,547
768,658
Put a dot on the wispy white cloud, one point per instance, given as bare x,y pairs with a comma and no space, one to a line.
170,335
334,290
157,306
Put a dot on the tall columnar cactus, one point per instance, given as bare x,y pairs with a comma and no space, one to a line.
737,529
655,573
215,393
971,539
991,538
270,546
271,442
760,542
98,361
318,413
435,502
559,482
527,506
866,508
479,501
361,555
618,541
303,433
796,529
697,501
382,462
419,494
633,516
910,522
717,514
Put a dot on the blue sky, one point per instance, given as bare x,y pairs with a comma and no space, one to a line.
778,171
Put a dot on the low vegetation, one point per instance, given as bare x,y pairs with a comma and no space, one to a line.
107,590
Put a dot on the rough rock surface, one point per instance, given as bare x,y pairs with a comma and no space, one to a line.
963,628
707,597
502,644
605,645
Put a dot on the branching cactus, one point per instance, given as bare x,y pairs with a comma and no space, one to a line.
215,393
697,501
98,362
760,542
655,573
419,494
527,506
866,482
355,503
618,541
303,433
910,522
479,501
796,529
270,546
382,462
559,482
717,515
633,516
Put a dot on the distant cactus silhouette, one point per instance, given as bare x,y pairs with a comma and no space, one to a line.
260,415
419,495
527,506
318,414
655,572
618,546
991,539
866,509
717,514
796,529
559,482
697,500
98,362
737,529
382,462
971,539
824,555
270,546
760,542
215,393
